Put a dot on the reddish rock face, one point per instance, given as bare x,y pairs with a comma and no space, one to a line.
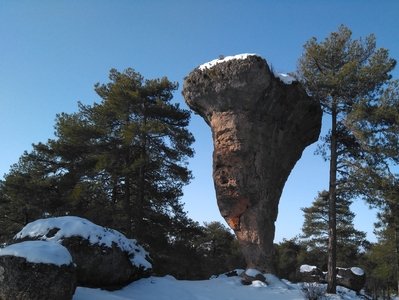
260,126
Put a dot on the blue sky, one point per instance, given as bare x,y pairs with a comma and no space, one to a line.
53,52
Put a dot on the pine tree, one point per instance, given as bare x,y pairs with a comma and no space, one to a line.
382,273
218,249
121,163
338,72
375,122
315,231
290,256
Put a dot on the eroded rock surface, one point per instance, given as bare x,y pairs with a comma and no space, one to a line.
260,126
36,271
352,278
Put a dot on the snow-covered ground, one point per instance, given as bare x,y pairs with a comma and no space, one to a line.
53,230
221,288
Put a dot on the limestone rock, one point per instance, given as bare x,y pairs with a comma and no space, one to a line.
309,273
352,278
31,271
260,126
102,266
251,275
234,273
104,257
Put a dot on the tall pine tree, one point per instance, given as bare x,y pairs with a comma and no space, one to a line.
375,123
339,72
121,163
315,232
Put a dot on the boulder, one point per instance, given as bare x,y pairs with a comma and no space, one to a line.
104,257
36,270
261,122
309,273
251,275
351,278
234,273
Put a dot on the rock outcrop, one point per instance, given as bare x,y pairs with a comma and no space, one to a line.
251,275
309,273
352,278
102,266
36,271
260,126
104,257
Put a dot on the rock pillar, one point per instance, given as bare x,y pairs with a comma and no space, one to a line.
260,125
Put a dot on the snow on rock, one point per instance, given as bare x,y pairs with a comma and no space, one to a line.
252,272
258,283
39,252
307,268
285,78
69,226
214,62
357,271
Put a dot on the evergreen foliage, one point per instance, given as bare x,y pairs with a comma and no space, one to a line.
315,232
120,163
207,250
219,249
382,273
339,72
291,254
375,123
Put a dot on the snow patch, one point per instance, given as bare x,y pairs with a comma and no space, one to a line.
214,62
69,226
166,288
258,284
39,252
252,272
163,288
357,271
307,268
285,78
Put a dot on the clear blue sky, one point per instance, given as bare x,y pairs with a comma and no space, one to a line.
53,52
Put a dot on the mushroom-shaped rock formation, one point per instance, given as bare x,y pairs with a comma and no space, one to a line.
261,122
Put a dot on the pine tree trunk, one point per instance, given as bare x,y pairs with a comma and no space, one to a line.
396,220
127,187
128,206
332,219
139,207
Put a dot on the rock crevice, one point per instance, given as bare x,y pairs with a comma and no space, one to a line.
260,126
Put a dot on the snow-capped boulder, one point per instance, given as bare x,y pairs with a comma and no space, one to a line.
252,275
104,257
36,270
308,273
352,278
